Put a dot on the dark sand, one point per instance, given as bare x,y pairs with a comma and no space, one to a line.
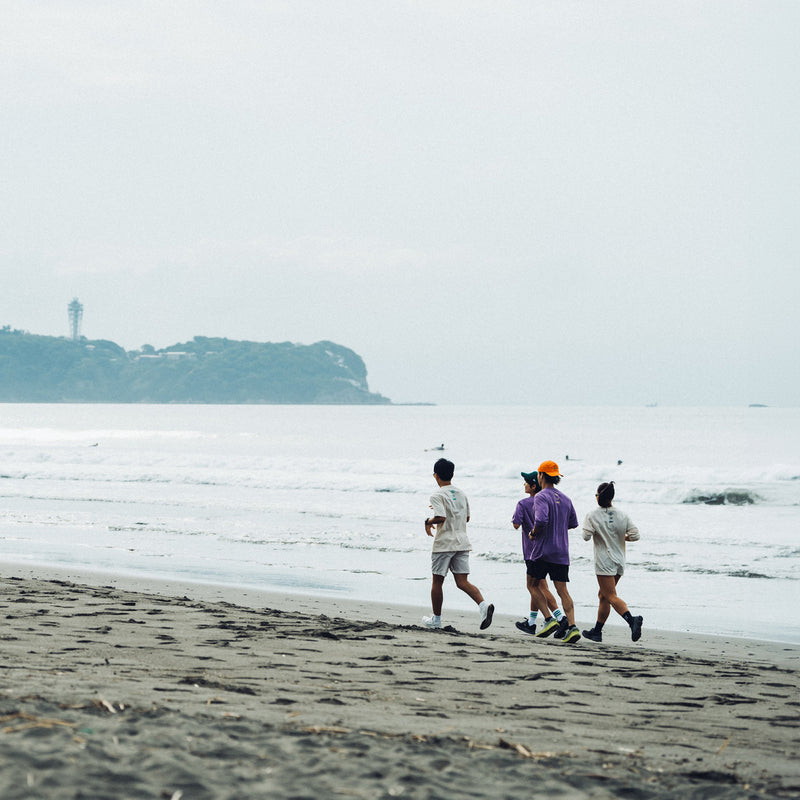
110,693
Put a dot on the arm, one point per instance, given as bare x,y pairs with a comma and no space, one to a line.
573,518
431,522
541,515
439,512
516,520
631,532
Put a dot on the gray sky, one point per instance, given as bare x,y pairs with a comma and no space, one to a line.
489,201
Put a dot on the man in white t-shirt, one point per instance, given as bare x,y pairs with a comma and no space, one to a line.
451,545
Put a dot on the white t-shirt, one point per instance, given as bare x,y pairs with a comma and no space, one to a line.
452,504
608,527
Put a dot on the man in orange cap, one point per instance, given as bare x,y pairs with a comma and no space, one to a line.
554,515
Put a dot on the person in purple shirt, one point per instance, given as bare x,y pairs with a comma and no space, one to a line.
554,515
524,518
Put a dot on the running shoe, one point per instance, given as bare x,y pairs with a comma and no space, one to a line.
486,617
593,635
430,622
524,627
548,627
563,627
572,635
636,628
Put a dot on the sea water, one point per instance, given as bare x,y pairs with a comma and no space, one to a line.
330,500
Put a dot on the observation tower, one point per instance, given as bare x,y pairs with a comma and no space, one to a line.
75,318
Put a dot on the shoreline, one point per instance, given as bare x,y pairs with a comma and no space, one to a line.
177,691
776,652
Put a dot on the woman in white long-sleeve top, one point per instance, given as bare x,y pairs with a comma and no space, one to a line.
610,528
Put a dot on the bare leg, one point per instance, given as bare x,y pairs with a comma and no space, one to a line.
462,581
538,598
609,598
566,601
552,605
437,594
603,608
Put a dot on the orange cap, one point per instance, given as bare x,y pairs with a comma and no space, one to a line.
550,468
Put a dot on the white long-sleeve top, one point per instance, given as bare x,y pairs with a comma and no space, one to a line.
609,527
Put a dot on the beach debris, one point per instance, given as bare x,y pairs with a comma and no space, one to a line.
101,702
198,682
325,729
524,751
725,744
31,721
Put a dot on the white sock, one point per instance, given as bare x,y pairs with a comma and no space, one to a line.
558,613
532,618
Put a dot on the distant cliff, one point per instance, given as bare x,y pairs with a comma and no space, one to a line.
48,369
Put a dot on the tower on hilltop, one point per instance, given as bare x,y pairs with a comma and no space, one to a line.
75,318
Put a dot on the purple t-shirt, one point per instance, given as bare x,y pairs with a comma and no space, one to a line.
554,516
523,516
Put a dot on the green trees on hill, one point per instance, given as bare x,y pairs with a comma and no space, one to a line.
206,370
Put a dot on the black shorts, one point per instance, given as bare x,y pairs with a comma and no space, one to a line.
541,569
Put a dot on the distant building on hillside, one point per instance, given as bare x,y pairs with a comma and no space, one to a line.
75,310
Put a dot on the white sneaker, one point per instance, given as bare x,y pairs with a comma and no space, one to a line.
432,622
486,616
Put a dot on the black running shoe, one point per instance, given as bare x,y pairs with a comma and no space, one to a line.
563,627
636,628
525,628
593,635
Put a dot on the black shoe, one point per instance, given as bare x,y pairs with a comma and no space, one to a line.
593,635
636,628
563,627
524,627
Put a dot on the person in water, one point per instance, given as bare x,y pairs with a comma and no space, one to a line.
610,529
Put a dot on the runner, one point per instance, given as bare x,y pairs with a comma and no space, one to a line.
523,518
450,545
554,517
610,528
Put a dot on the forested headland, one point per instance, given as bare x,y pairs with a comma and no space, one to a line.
50,369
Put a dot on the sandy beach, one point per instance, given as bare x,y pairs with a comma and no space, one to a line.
112,688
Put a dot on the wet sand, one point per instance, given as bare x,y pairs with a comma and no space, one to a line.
114,688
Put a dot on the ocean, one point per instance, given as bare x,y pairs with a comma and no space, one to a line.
330,500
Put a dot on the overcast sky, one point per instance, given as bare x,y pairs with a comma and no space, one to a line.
511,202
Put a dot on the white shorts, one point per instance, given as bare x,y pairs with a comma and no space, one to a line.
457,561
